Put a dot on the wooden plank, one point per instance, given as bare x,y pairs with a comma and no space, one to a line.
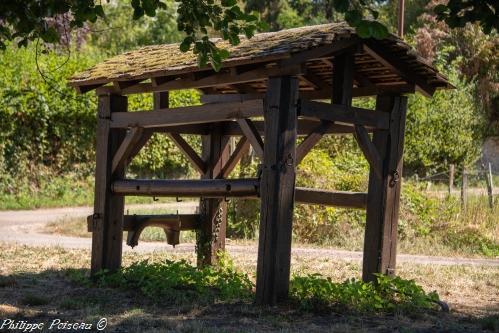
188,115
331,198
369,150
241,148
251,133
128,145
344,114
277,188
189,152
380,244
311,140
108,208
227,98
211,237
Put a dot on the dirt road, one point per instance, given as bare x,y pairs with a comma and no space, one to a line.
25,227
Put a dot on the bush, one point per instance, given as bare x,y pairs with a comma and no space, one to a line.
387,294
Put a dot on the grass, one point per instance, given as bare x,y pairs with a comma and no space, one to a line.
49,274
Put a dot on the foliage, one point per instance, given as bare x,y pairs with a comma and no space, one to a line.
457,13
386,295
441,131
180,282
35,113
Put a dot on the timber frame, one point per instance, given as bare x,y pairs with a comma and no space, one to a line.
265,100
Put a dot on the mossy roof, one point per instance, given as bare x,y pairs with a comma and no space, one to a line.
165,60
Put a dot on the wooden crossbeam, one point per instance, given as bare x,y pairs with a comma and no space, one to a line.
241,147
188,115
251,133
217,79
187,221
331,198
344,114
126,148
368,149
207,188
311,140
189,152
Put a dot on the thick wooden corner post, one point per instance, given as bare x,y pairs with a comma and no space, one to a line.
277,190
107,231
211,235
380,243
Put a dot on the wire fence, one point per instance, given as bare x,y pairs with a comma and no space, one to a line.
466,180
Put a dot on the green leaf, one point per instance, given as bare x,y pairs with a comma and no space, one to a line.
186,44
229,3
353,17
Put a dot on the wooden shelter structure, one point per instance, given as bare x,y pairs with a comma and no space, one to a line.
273,88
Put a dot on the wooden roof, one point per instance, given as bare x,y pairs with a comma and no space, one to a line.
380,65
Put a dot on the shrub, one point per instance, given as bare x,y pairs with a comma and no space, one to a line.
388,294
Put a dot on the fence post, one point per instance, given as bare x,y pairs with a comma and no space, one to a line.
464,189
451,178
490,185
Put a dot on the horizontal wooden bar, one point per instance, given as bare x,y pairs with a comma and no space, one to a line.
344,114
217,79
331,198
207,113
176,221
207,188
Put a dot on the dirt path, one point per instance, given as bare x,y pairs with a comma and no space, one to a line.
24,227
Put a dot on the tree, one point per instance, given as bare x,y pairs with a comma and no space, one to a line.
25,20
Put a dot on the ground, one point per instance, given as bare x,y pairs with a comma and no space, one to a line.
36,284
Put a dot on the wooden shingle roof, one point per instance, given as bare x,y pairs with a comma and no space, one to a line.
383,64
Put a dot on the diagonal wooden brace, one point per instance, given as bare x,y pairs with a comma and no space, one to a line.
311,140
189,152
251,133
124,152
369,150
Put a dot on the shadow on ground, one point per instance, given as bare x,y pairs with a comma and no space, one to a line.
53,294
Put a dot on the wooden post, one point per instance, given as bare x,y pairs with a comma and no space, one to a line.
211,236
464,190
380,243
490,184
277,188
451,178
107,234
161,100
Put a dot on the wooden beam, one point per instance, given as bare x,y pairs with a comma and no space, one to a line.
344,114
368,149
189,152
108,208
211,236
227,98
122,155
331,198
241,148
130,222
311,140
277,190
380,243
342,85
251,133
217,79
188,115
161,100
208,188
